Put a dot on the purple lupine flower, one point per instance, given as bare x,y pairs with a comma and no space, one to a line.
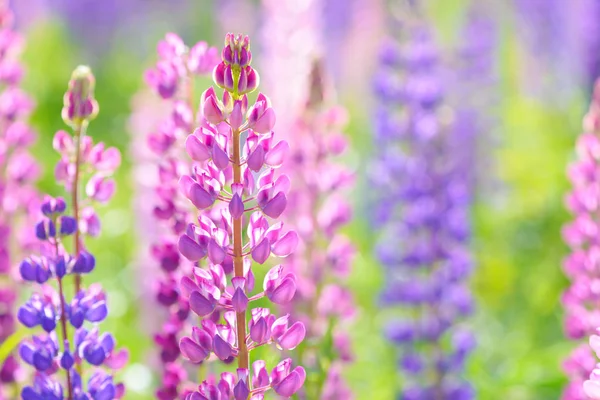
422,214
319,210
238,170
564,39
83,161
172,79
54,350
580,299
473,97
18,172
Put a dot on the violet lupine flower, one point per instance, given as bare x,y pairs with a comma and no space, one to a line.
423,216
236,146
580,300
54,351
473,96
564,37
173,78
323,260
18,172
83,161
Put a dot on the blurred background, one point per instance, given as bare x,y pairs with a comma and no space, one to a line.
545,71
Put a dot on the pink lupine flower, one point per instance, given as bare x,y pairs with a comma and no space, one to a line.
235,143
580,299
19,200
171,79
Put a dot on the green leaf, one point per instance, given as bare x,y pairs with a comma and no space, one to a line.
11,343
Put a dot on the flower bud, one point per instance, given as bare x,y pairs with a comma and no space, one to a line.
79,102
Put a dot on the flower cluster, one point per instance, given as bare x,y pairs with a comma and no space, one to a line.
237,158
53,350
581,266
422,214
173,78
81,160
323,259
18,171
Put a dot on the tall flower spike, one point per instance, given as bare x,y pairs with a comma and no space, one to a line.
322,262
172,79
423,204
581,266
18,197
82,161
240,162
54,350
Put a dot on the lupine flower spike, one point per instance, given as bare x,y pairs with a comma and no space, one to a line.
82,161
581,266
173,79
323,260
54,352
237,180
18,171
423,216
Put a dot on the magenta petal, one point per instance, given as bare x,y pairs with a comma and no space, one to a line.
236,119
236,206
190,249
216,254
286,245
200,304
187,286
220,158
276,206
196,149
266,122
199,197
256,159
219,75
285,292
253,80
192,350
293,336
222,349
276,155
185,185
239,301
261,252
211,110
259,332
292,383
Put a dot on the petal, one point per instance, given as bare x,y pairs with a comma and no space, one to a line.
200,304
274,158
285,292
292,383
286,245
190,249
200,197
256,159
222,349
196,149
293,336
261,252
192,350
276,206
